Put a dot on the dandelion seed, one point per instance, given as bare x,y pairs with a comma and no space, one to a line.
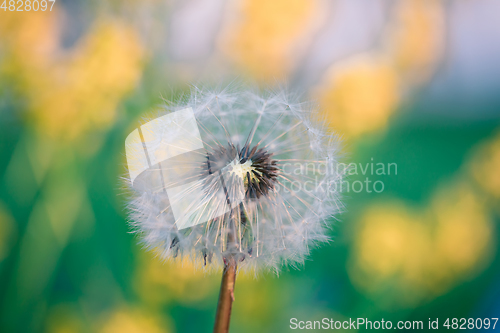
234,179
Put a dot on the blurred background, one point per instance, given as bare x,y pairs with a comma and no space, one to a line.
411,82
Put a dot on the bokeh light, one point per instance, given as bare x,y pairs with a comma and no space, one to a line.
360,95
266,37
485,166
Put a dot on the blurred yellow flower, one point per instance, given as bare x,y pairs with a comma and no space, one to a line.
28,40
264,40
484,167
416,37
69,93
393,248
258,297
464,231
422,254
159,281
82,94
392,240
359,95
127,320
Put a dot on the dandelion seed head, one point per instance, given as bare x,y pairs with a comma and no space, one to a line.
253,177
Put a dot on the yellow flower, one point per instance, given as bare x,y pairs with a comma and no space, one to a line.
464,230
265,40
416,37
71,93
359,95
28,40
127,320
82,94
485,165
158,282
422,254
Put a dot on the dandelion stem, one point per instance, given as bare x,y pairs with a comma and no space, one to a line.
226,297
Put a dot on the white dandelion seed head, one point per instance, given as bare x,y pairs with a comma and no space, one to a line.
236,174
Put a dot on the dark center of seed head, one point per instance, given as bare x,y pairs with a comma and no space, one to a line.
254,166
